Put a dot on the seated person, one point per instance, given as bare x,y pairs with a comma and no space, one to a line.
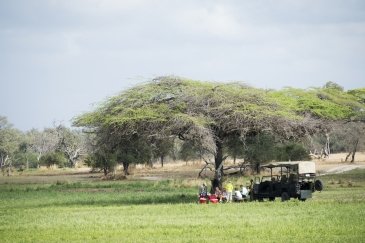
224,195
244,191
203,190
293,178
218,194
237,196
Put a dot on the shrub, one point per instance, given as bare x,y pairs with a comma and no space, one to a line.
54,158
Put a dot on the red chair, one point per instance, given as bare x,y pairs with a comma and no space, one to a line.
202,200
213,198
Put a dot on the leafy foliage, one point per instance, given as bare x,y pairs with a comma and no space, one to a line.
327,103
333,85
190,150
106,162
359,94
291,152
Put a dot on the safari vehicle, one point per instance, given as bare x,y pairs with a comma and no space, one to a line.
287,180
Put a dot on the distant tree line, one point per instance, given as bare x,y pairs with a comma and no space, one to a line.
57,146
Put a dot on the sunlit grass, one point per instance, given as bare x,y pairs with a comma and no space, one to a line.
166,211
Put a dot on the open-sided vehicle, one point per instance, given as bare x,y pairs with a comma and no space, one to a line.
287,180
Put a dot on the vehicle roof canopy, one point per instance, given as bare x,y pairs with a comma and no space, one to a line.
300,166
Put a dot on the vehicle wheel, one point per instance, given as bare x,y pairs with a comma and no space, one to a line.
318,185
302,199
271,199
284,196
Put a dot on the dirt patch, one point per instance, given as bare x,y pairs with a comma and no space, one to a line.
182,170
335,164
172,170
343,168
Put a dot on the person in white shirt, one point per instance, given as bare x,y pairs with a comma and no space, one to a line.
244,191
237,195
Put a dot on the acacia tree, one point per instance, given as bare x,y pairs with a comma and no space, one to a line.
211,113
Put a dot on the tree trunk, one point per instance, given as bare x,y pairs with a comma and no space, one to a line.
354,151
2,161
327,150
125,168
105,169
162,158
38,160
150,163
218,161
257,167
348,156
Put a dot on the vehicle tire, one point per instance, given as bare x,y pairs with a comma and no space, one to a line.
284,196
318,185
271,199
302,199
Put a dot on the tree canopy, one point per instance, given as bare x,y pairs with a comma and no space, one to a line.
215,113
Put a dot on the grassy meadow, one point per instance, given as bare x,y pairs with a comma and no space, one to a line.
80,208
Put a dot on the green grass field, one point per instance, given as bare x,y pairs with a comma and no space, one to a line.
80,209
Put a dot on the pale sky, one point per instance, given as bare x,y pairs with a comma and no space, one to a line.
58,58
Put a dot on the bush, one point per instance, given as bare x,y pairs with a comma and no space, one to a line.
292,152
103,161
54,158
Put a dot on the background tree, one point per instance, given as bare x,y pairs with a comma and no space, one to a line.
162,147
71,143
42,142
53,158
24,158
291,152
101,160
260,148
191,150
348,137
9,144
333,85
133,150
235,148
